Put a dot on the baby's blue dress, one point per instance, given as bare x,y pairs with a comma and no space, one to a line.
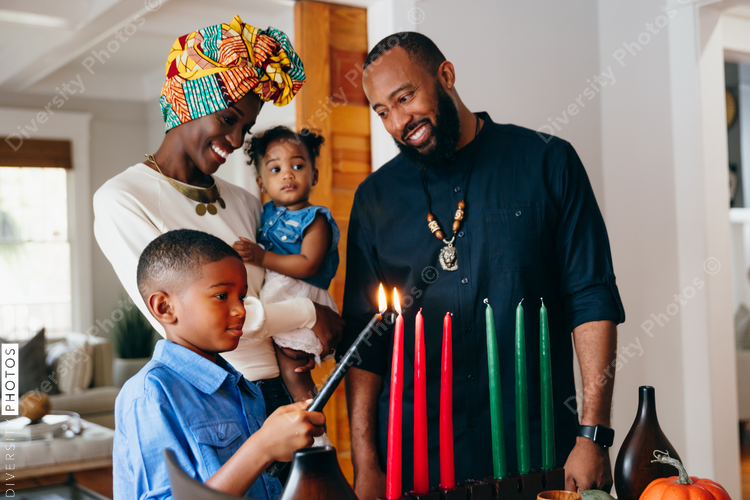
282,232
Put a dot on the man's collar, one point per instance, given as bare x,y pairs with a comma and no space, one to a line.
484,116
204,375
465,153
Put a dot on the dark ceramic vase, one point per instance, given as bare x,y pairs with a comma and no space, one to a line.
316,475
633,468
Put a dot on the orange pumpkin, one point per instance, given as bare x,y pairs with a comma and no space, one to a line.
682,487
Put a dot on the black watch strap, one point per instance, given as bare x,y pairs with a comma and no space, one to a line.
601,435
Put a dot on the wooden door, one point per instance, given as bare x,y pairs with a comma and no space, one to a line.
332,43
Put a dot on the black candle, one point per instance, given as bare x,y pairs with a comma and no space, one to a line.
325,392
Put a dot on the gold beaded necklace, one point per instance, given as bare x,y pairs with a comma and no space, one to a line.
448,258
205,197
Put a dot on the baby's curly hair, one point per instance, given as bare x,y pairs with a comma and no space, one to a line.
258,143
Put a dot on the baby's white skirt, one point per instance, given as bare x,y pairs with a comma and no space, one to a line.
278,288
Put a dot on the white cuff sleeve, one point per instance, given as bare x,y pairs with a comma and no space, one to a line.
265,321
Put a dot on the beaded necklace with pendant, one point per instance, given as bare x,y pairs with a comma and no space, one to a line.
448,259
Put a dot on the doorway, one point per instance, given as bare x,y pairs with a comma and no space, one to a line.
737,79
332,41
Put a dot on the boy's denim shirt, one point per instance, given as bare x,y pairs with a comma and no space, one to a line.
201,410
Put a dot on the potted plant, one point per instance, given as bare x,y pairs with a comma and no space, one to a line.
133,339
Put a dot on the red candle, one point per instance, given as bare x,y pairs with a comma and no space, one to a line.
421,469
393,474
447,465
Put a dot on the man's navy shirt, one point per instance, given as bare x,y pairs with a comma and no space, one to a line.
532,229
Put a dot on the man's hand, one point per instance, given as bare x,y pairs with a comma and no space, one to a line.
251,252
329,327
370,484
588,467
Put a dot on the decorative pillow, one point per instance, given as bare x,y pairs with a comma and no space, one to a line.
71,363
31,368
102,359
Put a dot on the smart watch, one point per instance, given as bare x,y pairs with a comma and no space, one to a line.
601,435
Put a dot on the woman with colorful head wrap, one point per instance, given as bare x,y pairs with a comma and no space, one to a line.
212,69
217,80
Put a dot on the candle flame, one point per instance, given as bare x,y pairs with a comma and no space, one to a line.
382,301
396,301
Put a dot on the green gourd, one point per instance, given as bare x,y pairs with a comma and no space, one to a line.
596,495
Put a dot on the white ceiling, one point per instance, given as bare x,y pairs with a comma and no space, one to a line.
742,10
48,43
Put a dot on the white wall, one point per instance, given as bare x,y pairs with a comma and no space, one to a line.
640,205
666,198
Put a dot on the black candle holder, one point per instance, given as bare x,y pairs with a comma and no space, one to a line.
457,493
430,495
527,487
554,479
513,487
476,490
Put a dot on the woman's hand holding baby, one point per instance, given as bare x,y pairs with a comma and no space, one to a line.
251,252
297,356
328,327
295,353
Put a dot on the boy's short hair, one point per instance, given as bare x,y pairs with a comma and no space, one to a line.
258,143
173,261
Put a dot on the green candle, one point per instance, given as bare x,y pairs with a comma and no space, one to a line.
499,468
522,408
545,362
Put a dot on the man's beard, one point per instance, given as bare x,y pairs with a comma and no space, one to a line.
445,135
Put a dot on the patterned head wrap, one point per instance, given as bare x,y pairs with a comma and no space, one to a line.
210,69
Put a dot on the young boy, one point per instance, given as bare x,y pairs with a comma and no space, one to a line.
187,398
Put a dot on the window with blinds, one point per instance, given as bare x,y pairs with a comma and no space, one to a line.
35,264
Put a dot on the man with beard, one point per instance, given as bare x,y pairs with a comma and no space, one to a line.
470,210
